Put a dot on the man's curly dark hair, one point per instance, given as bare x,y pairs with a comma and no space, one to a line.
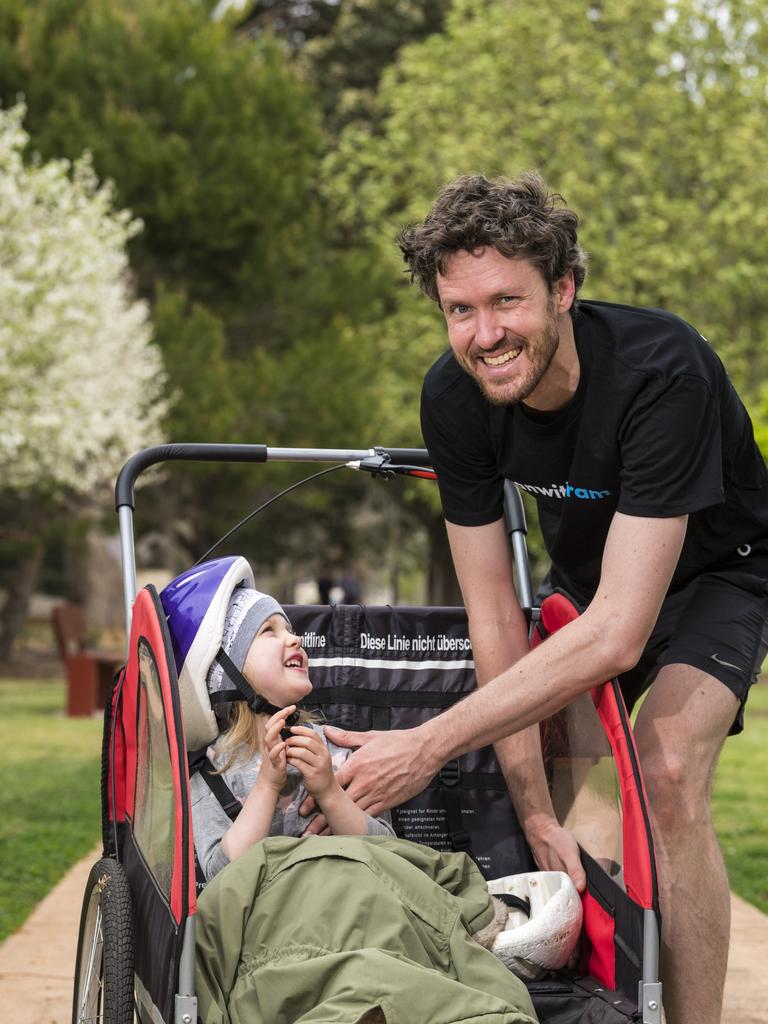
519,218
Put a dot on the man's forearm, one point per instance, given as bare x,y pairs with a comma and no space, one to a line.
497,647
606,640
542,682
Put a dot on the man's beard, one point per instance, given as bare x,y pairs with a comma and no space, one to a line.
539,351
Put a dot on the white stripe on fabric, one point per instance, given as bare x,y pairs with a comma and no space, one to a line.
375,663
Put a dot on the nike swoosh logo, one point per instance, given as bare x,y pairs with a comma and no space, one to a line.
725,664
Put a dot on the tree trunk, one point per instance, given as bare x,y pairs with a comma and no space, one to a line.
20,589
442,585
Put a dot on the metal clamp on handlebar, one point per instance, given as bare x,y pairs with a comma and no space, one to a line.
387,463
377,465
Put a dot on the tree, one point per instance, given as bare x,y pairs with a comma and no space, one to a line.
210,138
295,21
648,117
348,60
81,384
215,141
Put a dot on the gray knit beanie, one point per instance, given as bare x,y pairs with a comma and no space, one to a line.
247,612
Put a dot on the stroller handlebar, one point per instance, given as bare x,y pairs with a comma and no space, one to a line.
138,463
378,460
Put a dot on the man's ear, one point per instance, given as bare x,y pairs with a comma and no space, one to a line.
565,292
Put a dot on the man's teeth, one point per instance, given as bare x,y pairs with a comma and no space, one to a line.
506,357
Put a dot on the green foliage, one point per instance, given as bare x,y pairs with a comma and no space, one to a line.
648,121
294,21
214,140
49,800
192,336
740,802
648,118
268,252
211,139
347,61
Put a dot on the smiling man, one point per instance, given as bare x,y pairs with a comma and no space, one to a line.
653,504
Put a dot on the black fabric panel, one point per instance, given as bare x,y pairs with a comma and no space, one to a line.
628,942
563,1001
628,922
367,687
107,825
157,940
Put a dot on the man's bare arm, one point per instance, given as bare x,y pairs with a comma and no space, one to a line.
638,562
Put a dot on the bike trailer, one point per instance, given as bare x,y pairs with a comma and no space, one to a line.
371,667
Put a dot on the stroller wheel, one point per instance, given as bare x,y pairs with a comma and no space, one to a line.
104,968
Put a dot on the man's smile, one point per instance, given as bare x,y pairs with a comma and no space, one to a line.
505,357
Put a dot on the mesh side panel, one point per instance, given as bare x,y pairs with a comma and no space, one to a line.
584,782
155,811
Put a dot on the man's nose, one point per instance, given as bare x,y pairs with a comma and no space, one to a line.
488,331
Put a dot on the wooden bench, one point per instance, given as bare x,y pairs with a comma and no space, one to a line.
89,672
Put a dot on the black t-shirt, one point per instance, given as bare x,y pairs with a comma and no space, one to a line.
654,429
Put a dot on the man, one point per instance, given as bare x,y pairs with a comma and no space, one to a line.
653,503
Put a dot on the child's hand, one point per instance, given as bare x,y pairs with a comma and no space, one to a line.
307,752
273,764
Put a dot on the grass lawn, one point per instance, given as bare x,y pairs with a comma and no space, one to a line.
50,805
740,803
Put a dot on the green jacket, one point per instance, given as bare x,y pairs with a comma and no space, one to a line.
344,925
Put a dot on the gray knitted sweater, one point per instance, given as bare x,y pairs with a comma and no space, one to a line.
210,822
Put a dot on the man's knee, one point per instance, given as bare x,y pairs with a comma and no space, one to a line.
678,789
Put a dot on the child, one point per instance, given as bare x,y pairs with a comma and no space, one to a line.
245,661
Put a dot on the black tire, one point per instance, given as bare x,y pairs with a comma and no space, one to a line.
103,991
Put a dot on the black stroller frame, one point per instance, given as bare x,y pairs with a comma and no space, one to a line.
623,910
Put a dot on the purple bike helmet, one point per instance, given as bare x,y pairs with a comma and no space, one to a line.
195,606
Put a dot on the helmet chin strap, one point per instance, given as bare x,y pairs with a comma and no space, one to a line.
244,691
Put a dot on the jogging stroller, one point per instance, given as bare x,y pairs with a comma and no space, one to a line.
372,667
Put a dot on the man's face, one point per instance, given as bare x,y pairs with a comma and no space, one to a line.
503,322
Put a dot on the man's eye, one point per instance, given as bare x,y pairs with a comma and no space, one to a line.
460,309
507,298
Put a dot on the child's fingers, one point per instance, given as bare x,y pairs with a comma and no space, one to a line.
276,753
303,755
307,756
311,741
277,723
278,719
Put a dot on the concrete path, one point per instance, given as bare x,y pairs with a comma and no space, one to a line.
37,962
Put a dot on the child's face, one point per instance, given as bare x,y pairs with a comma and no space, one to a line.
276,664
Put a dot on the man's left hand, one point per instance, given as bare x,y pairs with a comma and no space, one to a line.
555,849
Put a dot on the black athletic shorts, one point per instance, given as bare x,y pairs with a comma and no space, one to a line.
719,624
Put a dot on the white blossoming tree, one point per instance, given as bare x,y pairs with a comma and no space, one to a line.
81,384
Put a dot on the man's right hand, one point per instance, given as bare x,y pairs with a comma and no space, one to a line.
386,768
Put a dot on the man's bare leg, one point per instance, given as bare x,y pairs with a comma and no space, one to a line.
680,731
